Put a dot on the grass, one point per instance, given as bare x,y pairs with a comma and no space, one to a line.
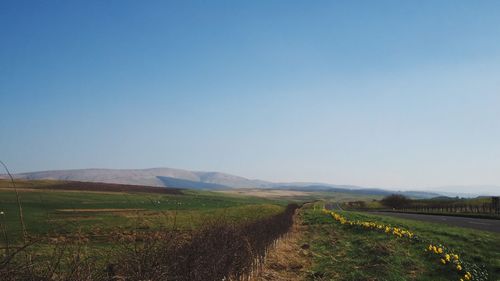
50,212
304,196
98,226
338,252
480,247
217,250
345,253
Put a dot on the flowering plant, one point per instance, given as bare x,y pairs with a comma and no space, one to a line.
446,256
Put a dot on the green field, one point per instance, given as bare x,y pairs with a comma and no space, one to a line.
96,214
346,253
78,234
338,252
100,215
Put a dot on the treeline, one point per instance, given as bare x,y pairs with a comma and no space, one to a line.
487,208
448,205
217,251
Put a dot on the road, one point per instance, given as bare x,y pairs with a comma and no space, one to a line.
480,224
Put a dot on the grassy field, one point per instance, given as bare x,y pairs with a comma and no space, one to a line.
98,214
56,208
102,228
338,252
345,253
303,196
139,232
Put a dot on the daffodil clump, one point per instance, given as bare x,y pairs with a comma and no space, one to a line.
396,231
466,271
448,258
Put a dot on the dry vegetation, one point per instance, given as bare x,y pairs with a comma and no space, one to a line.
216,251
289,259
267,193
86,186
133,233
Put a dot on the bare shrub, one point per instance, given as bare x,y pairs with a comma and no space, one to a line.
218,250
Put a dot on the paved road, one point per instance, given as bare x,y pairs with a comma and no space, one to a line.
481,224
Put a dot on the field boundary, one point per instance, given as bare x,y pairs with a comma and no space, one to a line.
95,187
461,215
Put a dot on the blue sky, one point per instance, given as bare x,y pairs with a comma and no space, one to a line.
399,94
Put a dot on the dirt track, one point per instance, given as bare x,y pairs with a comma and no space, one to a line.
289,259
480,224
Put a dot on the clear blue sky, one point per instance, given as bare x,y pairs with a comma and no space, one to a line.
399,94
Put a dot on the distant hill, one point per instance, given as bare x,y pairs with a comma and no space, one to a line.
177,178
163,177
169,181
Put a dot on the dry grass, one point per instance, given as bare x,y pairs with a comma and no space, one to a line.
264,193
88,186
28,189
289,259
217,250
97,210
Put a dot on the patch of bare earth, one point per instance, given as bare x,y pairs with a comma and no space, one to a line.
290,259
266,193
99,210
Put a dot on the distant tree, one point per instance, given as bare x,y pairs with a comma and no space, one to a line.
396,201
361,204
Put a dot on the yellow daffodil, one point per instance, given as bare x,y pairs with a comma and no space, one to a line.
444,257
434,248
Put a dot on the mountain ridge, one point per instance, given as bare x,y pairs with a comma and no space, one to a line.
179,178
150,176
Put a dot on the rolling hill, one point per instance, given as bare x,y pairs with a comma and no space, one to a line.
163,177
169,177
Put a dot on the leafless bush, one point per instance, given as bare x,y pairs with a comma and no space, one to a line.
218,250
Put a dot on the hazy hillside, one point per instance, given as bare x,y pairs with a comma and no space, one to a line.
152,177
168,177
168,181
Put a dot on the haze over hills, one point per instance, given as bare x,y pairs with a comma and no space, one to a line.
164,177
169,177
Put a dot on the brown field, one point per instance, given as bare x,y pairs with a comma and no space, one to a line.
267,193
88,186
97,210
